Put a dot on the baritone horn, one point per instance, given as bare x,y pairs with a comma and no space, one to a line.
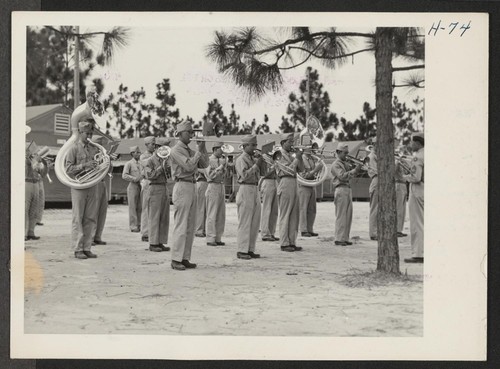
163,152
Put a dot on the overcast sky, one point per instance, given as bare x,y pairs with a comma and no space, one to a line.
179,54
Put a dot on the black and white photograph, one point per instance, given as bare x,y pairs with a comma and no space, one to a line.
249,186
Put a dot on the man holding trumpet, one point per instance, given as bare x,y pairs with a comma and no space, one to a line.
286,169
184,165
215,197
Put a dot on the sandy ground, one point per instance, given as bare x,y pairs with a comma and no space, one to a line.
322,291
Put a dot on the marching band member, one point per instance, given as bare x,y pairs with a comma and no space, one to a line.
343,195
132,173
287,194
184,164
31,190
102,203
155,170
247,198
416,203
215,197
307,196
201,213
41,198
401,194
150,148
80,157
268,190
373,191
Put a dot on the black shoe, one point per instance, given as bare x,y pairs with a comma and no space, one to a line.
177,266
200,235
164,248
348,243
188,265
374,238
276,238
305,234
220,243
313,234
135,230
288,248
99,242
39,224
145,238
80,255
212,244
401,234
33,238
297,248
340,243
268,238
155,248
253,255
243,255
26,238
414,260
89,254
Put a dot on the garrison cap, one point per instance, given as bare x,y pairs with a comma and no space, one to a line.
86,126
343,147
134,149
249,139
162,141
286,136
149,140
182,127
218,144
418,137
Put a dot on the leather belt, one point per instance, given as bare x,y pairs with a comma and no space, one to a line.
31,180
401,182
189,180
201,180
248,184
342,185
158,184
215,182
289,176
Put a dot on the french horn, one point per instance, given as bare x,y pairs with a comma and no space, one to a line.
92,108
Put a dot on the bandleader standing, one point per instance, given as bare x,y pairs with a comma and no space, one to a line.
342,174
149,142
287,193
216,197
159,201
248,199
184,165
416,203
132,173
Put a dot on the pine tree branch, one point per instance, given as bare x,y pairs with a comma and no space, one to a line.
331,57
411,67
415,84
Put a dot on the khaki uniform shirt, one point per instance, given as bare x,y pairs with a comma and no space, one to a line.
417,168
247,171
133,171
79,154
309,165
213,175
186,161
372,165
155,170
288,161
341,173
30,174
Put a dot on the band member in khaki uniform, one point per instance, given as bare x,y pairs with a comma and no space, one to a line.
401,195
416,203
132,173
269,195
287,194
307,197
41,191
102,203
216,197
342,195
373,191
201,213
247,198
184,166
31,191
150,148
159,200
80,158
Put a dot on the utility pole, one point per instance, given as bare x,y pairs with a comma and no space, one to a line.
76,76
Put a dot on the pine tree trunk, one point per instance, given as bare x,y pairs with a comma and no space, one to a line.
388,253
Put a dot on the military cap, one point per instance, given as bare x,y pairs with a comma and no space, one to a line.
249,139
343,147
149,140
162,141
286,136
185,126
85,126
218,144
134,149
418,137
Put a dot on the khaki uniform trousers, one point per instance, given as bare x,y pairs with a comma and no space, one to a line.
372,222
401,192
307,208
248,207
343,213
289,210
31,200
416,207
84,210
159,214
41,201
145,207
101,209
134,205
216,211
201,213
269,215
184,199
